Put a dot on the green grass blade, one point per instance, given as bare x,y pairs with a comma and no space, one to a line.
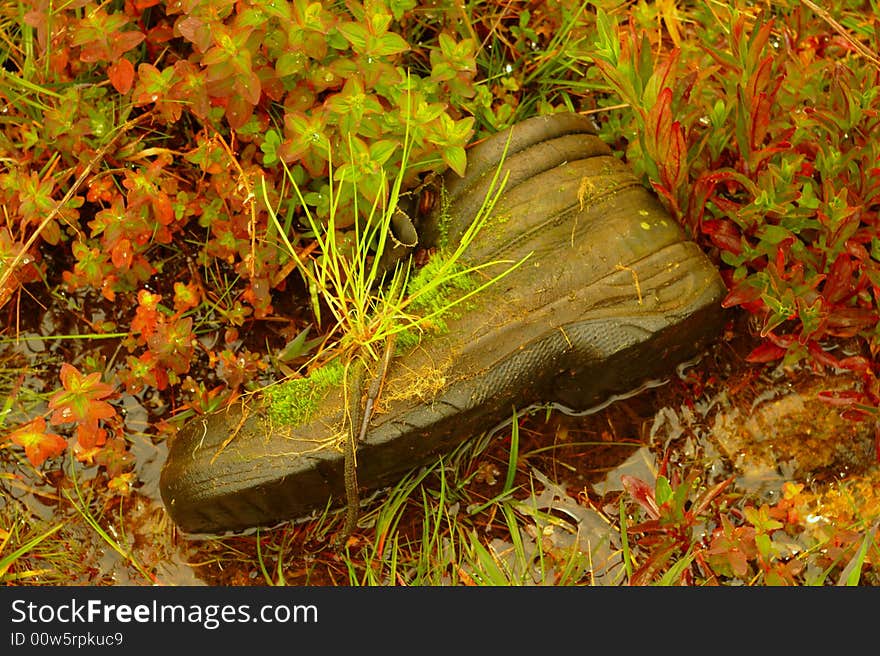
624,541
514,454
7,561
672,576
851,574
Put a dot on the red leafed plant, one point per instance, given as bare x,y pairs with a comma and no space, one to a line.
82,401
764,144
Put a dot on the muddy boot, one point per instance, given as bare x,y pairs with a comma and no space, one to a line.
610,293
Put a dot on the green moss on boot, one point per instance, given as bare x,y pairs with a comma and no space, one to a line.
293,402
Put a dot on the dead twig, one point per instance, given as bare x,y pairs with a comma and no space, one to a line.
841,30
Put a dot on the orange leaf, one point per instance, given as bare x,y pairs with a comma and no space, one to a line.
38,444
121,75
89,435
123,484
146,316
125,41
121,254
81,399
162,208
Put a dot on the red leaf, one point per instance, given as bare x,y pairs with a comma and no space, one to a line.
760,110
855,363
713,492
841,397
822,356
642,493
658,126
850,321
766,352
38,444
742,293
674,165
724,234
121,75
657,562
662,190
839,283
174,343
665,70
782,341
760,78
115,457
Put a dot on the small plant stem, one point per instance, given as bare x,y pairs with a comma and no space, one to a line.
361,419
80,504
376,386
244,181
354,383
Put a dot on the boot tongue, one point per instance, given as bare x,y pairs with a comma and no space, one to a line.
520,154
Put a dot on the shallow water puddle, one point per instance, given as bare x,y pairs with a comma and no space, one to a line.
777,439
